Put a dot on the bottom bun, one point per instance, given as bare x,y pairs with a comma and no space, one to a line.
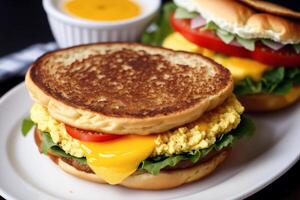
265,102
164,180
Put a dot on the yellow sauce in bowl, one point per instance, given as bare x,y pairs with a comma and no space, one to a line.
102,10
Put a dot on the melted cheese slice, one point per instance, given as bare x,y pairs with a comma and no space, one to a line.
239,67
115,160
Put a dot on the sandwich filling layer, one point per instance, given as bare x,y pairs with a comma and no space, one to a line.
197,135
115,160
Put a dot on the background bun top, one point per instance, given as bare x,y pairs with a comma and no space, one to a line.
272,8
240,18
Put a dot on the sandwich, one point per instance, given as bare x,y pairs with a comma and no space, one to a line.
134,115
258,41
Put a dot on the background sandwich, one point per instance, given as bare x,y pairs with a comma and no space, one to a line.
134,115
258,41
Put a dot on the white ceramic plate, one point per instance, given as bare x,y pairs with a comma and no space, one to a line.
26,174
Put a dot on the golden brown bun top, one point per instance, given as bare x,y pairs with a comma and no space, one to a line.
240,18
272,8
127,82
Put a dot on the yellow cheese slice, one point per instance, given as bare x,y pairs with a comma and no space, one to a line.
115,160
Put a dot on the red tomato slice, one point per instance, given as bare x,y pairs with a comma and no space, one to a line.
206,39
90,136
284,57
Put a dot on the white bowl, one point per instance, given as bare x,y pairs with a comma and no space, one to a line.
69,31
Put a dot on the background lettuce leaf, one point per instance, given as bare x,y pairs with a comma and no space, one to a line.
225,36
277,81
182,13
210,26
297,48
154,165
228,37
246,43
161,27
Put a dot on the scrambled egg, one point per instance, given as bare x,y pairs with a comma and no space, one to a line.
203,132
40,115
197,135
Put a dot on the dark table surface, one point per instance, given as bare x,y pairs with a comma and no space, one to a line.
24,23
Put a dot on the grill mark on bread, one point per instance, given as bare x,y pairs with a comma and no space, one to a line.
128,82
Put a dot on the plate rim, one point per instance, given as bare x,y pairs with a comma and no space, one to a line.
3,98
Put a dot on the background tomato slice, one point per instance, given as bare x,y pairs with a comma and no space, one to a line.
90,136
206,39
284,57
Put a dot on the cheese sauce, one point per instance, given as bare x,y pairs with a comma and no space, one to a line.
115,160
102,10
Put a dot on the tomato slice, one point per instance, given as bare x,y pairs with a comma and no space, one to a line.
284,57
90,136
206,39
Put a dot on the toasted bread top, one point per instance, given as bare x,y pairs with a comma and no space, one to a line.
243,19
127,88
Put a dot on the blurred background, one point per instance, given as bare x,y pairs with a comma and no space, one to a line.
23,23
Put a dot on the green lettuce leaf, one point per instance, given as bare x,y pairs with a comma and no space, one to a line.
210,26
228,37
161,27
297,48
49,146
154,165
225,36
246,128
248,86
58,151
293,75
182,13
27,125
277,81
246,43
47,142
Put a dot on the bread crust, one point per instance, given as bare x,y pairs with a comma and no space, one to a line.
165,179
272,8
241,19
267,103
85,117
